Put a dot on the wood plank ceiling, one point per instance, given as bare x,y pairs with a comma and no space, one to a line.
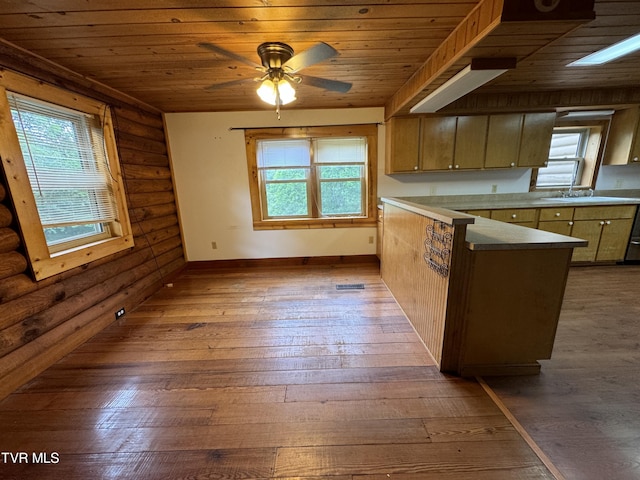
148,48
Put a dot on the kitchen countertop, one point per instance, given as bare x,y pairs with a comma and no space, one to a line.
504,201
486,234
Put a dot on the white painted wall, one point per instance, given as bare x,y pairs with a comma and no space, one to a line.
210,170
619,177
212,186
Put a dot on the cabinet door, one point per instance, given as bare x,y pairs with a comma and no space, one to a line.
590,231
537,130
438,139
623,145
560,227
614,240
471,142
403,145
503,141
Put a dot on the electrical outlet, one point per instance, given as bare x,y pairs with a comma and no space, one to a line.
214,245
494,188
370,239
120,313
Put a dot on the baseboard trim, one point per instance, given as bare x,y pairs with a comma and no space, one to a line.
283,262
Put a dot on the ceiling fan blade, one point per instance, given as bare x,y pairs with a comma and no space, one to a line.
318,53
333,85
216,49
230,83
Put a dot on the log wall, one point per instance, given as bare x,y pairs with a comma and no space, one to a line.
40,322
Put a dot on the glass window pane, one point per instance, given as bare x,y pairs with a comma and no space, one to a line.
57,235
340,150
566,145
558,173
341,198
283,153
340,171
287,199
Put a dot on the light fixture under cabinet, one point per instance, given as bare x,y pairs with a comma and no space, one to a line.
479,72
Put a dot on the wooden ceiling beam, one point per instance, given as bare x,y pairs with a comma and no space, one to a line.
490,21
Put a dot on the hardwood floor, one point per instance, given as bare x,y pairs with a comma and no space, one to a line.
260,373
583,410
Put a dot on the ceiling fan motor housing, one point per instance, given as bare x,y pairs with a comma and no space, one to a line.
274,54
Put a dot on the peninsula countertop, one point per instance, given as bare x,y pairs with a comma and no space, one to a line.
486,234
524,200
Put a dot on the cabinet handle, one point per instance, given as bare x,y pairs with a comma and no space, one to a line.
570,224
608,222
513,216
635,159
415,168
513,164
601,223
557,214
450,167
457,166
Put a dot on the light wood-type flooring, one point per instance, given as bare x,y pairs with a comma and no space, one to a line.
583,410
260,373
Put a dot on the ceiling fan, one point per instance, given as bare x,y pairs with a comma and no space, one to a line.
280,69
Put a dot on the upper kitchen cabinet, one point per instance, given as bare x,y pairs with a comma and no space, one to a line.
503,140
438,142
537,130
434,143
471,141
519,140
623,143
402,139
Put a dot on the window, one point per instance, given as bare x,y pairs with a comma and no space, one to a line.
313,176
566,158
63,151
65,180
574,155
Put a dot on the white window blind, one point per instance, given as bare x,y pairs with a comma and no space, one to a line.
566,158
67,165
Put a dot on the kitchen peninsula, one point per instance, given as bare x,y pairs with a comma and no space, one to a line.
483,295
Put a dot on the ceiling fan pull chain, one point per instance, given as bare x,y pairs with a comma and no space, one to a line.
277,88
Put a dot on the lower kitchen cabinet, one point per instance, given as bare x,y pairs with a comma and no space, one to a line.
556,220
526,217
607,239
607,228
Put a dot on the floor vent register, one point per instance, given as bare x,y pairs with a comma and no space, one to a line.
350,286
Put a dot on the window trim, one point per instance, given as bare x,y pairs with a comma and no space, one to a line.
43,262
370,131
593,149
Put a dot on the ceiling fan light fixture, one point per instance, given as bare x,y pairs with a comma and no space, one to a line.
270,90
